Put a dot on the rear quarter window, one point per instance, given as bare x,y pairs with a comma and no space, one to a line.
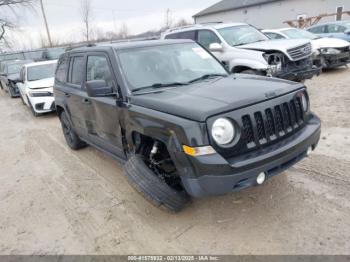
183,35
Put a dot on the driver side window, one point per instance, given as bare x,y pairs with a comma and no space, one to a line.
274,36
98,69
207,37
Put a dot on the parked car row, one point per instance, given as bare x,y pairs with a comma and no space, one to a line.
245,49
31,81
327,52
174,113
42,54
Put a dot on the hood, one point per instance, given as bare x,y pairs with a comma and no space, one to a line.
202,100
13,77
281,45
40,84
329,43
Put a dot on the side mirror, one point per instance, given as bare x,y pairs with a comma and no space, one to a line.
215,47
98,88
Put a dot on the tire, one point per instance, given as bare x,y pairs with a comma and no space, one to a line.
251,72
144,180
11,92
72,139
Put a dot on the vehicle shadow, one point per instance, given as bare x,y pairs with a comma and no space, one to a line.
337,70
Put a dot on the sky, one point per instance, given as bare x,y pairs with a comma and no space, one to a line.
65,20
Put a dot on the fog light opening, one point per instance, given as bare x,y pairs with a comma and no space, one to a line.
261,178
309,151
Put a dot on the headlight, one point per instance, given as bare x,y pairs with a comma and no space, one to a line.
39,94
305,103
223,131
330,51
274,61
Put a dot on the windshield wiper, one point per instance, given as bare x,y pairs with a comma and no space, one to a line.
159,85
207,76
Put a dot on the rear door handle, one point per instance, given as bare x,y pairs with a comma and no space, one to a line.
86,101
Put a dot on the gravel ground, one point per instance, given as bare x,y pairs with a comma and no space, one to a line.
56,201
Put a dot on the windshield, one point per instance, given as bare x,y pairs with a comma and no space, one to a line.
162,65
41,72
297,34
14,68
241,35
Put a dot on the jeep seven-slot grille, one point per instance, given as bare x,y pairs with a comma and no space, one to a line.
264,127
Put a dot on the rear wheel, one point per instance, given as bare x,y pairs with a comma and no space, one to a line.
12,92
154,176
72,139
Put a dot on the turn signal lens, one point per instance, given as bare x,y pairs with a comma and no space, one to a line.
198,151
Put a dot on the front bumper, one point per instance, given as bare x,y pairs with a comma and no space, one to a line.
299,75
42,104
224,176
333,61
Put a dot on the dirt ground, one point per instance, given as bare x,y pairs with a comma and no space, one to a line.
56,201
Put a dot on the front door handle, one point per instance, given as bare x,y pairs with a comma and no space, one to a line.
67,95
86,101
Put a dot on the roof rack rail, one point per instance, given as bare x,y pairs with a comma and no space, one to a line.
211,23
179,28
134,39
71,47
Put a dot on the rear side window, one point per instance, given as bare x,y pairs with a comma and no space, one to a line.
318,30
183,35
207,37
62,68
336,29
98,69
77,70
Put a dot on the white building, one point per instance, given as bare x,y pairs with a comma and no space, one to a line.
271,13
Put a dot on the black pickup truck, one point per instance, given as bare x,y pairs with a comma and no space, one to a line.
179,121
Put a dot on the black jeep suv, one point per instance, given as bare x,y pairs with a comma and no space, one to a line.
182,124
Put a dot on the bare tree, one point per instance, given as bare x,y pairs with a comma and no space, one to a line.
181,22
87,18
12,6
123,32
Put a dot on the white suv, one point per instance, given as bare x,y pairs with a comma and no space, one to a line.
36,86
244,49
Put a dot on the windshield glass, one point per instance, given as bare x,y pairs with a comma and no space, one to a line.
41,72
241,35
297,34
14,68
162,65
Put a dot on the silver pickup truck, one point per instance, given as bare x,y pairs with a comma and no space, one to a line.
244,49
